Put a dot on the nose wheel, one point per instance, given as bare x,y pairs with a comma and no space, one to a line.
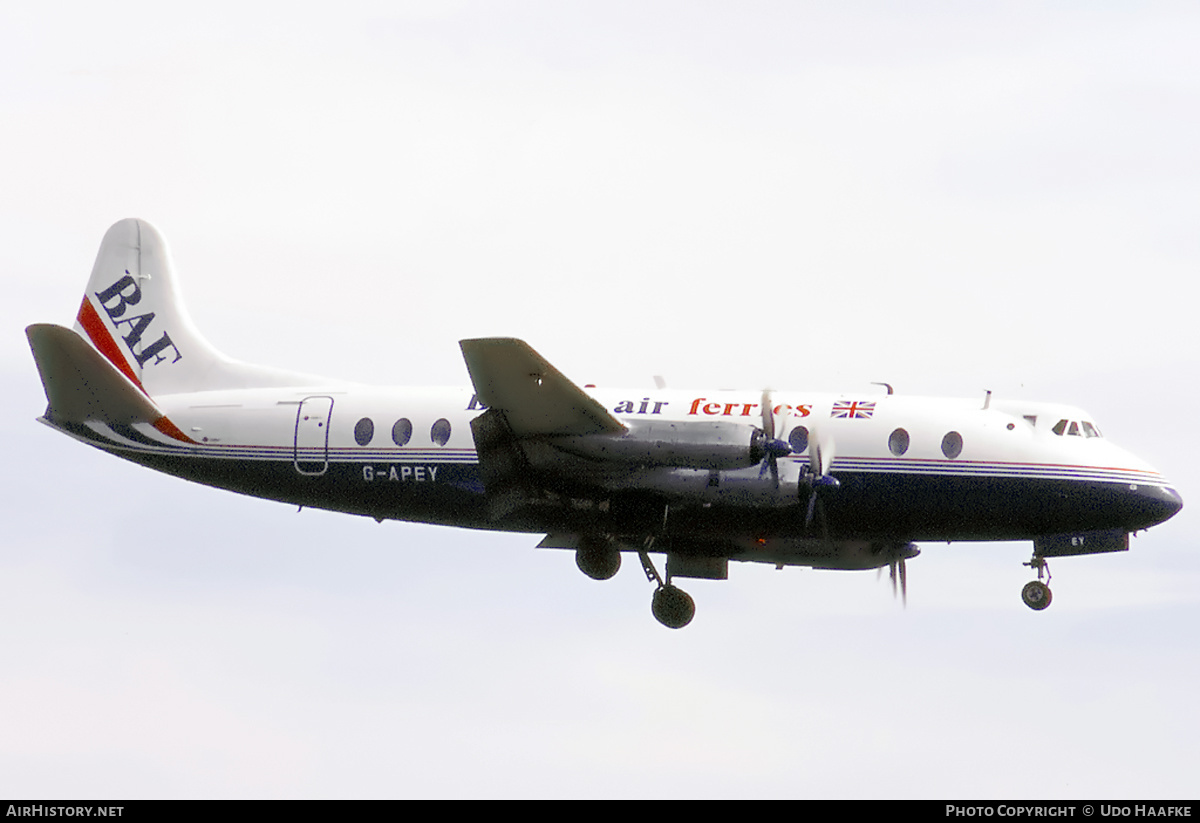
1036,594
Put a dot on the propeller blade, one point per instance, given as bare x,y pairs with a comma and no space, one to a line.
824,455
772,447
898,573
820,452
768,416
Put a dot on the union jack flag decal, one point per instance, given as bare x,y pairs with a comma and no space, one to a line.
852,409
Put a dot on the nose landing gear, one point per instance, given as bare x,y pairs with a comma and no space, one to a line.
1036,594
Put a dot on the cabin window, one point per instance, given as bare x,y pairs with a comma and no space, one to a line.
402,431
898,442
952,445
798,439
440,433
364,430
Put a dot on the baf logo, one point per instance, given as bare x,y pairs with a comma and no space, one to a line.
116,299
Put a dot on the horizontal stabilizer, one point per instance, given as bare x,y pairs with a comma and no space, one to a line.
535,398
82,386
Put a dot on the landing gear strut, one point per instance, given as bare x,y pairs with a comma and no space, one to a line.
1036,594
671,606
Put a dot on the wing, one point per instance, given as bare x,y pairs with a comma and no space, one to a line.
529,402
534,397
543,438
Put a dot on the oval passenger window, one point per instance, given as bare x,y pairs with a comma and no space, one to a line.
402,431
364,430
952,445
440,433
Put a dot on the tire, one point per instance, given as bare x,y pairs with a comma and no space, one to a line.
673,607
598,559
1036,595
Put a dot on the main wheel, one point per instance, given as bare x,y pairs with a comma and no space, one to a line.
673,607
597,558
1036,595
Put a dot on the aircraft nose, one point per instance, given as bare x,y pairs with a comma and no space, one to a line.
1156,504
1175,503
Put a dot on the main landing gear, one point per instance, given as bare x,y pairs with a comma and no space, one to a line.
599,558
671,606
1036,594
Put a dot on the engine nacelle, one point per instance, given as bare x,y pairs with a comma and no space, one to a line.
749,487
819,553
708,445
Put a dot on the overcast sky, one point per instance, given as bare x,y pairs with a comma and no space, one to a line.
952,197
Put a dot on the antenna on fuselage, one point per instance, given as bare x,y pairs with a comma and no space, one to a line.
987,399
887,386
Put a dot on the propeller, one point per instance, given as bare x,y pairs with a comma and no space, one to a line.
897,570
820,461
773,448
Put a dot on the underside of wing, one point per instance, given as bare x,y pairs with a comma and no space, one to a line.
535,398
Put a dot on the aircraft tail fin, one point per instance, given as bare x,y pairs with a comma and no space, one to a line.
133,315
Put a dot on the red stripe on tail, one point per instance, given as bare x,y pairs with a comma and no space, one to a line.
89,318
171,430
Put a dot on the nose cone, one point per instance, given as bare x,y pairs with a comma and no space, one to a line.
1173,504
1154,505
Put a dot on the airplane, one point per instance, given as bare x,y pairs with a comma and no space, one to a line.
791,478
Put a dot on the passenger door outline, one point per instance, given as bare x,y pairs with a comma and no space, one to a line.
310,452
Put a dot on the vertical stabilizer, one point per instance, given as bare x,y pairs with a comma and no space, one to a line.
132,314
